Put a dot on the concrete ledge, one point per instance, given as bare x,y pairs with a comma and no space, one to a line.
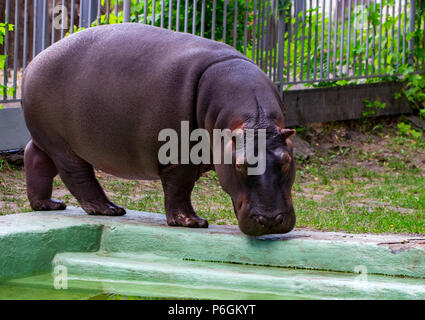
219,280
31,239
28,244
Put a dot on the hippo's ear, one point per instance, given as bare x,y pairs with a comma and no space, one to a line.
287,133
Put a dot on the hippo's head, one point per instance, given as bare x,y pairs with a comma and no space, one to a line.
262,202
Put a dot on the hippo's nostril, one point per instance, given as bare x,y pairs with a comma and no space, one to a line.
279,218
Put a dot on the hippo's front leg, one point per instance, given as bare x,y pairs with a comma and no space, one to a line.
178,182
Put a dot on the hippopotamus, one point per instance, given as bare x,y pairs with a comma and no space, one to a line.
98,99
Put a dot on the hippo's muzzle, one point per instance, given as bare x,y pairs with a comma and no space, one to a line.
256,223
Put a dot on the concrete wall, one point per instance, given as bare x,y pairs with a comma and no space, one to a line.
341,103
13,131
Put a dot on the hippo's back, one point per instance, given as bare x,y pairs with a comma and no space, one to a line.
106,92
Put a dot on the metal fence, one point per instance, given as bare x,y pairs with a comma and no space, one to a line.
294,42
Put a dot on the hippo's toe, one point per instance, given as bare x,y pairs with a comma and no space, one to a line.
104,209
47,205
187,220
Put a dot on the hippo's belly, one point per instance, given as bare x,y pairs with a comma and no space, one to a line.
105,93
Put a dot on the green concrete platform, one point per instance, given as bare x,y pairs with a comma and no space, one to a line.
139,255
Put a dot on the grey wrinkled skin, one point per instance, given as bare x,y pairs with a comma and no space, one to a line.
99,98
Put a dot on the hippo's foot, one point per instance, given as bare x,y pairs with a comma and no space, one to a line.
103,209
47,205
187,220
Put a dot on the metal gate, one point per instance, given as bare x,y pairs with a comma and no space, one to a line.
301,42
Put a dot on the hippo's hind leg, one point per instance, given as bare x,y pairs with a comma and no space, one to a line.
178,183
40,171
79,177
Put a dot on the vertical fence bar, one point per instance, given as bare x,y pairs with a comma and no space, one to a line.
335,42
411,44
316,34
71,26
361,39
116,7
53,19
34,29
341,46
145,12
373,40
80,20
98,17
153,10
355,38
178,15
245,30
235,24
405,31
254,31
380,38
225,20
288,52
347,58
322,35
89,20
295,41
281,49
423,46
393,36
309,40
418,37
45,19
107,11
276,37
136,16
25,46
259,28
162,13
265,50
270,39
194,17
386,37
15,48
367,44
398,32
203,18
126,10
328,59
6,49
186,12
170,14
302,43
63,26
213,20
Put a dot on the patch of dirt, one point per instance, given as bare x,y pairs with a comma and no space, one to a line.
370,144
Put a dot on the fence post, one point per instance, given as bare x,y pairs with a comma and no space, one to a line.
40,32
126,10
88,12
281,48
411,43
